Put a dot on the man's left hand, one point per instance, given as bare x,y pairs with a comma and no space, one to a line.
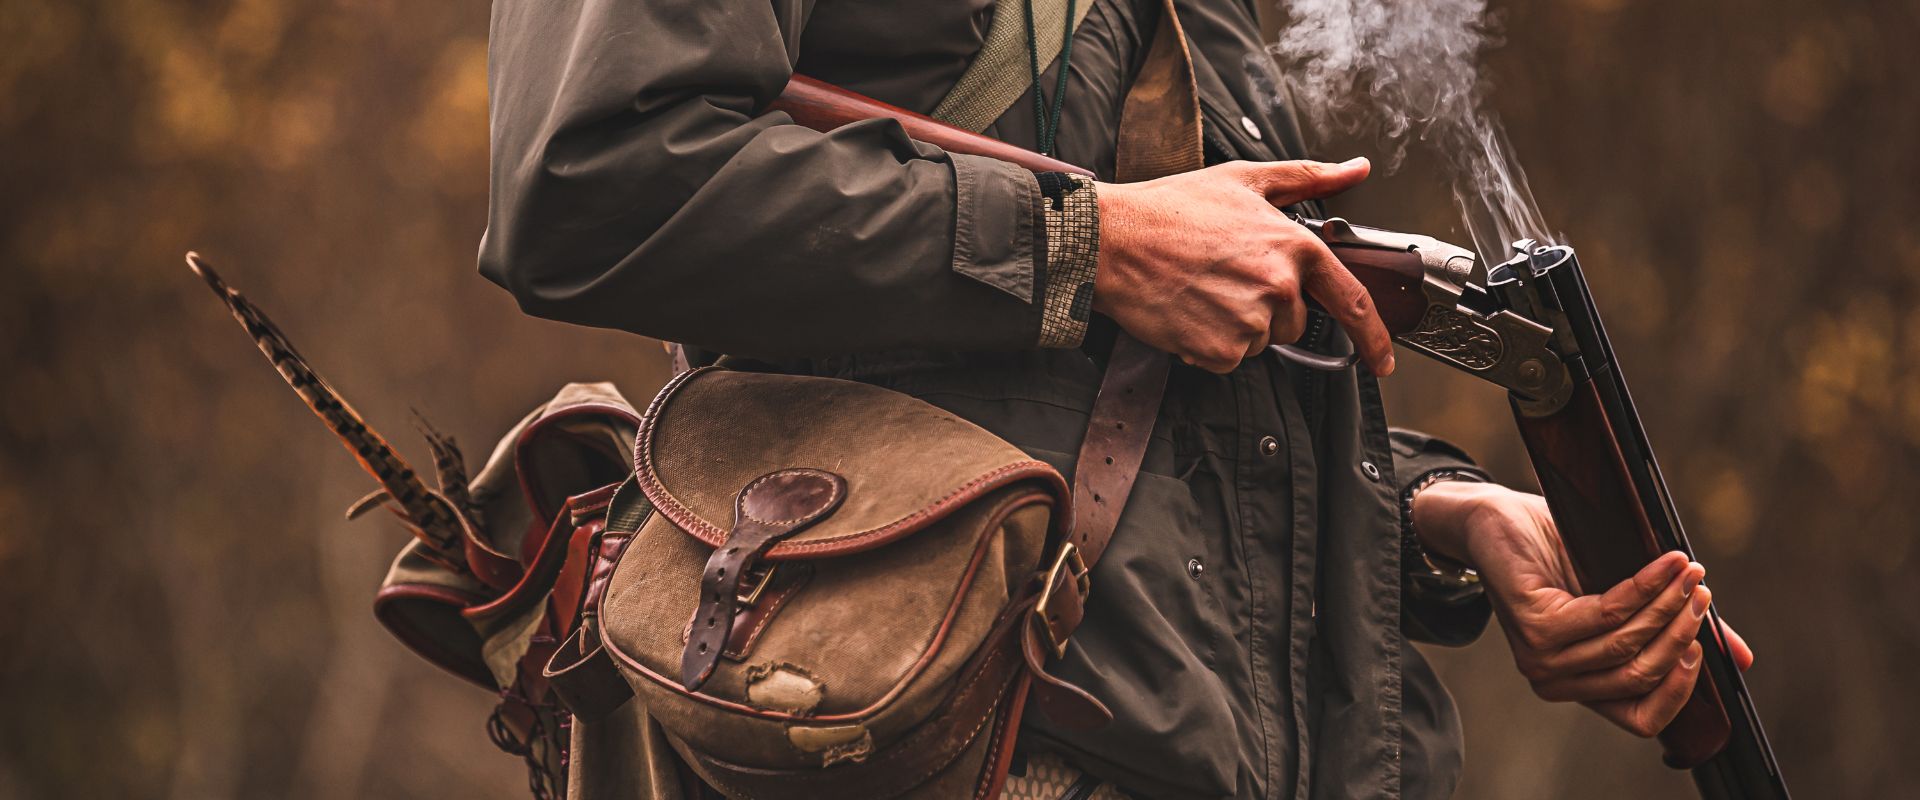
1628,652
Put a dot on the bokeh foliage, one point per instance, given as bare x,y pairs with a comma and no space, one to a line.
188,614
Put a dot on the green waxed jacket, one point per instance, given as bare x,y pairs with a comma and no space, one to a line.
1248,626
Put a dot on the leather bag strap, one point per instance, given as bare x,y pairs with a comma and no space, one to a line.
1159,136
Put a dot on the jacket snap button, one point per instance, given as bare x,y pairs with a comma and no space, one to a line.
1269,445
1251,129
1372,472
1195,569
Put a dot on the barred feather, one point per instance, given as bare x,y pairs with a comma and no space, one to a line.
448,463
433,519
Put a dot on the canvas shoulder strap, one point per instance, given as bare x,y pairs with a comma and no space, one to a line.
1000,72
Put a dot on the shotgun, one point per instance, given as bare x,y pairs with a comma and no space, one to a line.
1533,330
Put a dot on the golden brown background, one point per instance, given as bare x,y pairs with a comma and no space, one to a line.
186,614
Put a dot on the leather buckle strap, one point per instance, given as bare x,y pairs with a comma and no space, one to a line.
1057,623
774,506
752,594
1159,136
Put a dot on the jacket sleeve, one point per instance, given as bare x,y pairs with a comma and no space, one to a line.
1451,618
638,182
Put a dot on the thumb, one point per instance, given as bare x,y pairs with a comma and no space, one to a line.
1288,182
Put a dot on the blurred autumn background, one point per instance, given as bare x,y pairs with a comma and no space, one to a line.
187,613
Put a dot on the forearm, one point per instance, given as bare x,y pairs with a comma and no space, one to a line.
636,186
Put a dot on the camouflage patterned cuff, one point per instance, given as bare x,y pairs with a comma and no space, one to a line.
1072,215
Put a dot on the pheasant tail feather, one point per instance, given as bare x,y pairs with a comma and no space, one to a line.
433,518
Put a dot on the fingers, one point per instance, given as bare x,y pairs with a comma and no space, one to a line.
1342,295
1591,615
1289,321
1646,670
1647,716
1288,182
1622,644
1735,645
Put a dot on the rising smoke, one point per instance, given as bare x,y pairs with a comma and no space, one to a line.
1405,72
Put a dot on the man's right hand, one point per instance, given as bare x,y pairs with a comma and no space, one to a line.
1204,265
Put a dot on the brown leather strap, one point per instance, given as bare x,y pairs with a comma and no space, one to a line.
1159,136
774,506
1160,123
581,672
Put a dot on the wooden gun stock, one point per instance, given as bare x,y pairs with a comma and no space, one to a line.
823,107
1393,278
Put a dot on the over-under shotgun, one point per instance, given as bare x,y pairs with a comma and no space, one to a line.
1533,330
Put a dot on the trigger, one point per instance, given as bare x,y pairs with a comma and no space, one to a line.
1312,360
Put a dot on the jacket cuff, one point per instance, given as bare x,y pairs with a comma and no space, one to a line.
993,224
1071,222
1441,602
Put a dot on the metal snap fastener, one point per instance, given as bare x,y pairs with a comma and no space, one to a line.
1246,123
1195,569
1372,472
1269,446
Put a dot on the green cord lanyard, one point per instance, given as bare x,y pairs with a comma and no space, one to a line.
1046,125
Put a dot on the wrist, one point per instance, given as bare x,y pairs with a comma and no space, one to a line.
1112,200
1446,513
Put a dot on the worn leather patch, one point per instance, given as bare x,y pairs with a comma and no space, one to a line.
783,687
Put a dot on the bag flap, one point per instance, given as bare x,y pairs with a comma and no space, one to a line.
907,463
570,445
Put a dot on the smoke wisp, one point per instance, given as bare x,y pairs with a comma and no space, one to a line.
1405,72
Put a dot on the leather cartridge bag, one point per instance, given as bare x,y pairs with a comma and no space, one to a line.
822,588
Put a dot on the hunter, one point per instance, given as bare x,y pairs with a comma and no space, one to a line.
1251,625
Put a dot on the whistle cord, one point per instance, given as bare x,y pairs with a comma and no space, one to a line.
1046,126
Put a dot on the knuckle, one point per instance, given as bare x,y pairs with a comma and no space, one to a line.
1284,285
1614,615
1250,325
1357,304
1221,356
1641,678
1620,648
1302,170
1532,669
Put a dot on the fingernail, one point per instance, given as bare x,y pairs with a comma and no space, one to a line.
1673,567
1691,659
1695,583
1387,366
1699,606
1354,162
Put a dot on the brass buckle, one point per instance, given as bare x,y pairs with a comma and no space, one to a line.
1069,558
759,586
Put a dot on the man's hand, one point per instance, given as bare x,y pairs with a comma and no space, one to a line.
1628,653
1204,265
